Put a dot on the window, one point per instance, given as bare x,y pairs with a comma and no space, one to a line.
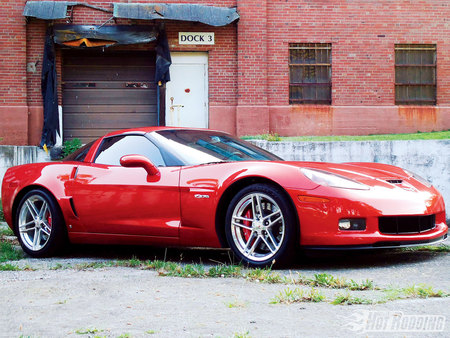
80,154
113,148
415,74
310,73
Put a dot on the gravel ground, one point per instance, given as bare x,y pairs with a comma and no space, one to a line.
119,301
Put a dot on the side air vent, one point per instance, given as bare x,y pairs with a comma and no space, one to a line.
73,207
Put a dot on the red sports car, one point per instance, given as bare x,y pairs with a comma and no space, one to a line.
191,187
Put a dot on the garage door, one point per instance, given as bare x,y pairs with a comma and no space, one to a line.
106,91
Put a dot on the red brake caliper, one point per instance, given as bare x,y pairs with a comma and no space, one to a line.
246,232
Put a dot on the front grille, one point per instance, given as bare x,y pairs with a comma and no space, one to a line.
406,224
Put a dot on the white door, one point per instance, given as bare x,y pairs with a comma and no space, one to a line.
187,91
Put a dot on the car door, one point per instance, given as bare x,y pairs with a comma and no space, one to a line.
111,199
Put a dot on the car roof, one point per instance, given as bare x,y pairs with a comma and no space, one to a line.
145,130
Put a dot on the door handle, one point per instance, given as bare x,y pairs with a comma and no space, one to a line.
172,106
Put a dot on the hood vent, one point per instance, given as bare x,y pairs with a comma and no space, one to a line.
395,181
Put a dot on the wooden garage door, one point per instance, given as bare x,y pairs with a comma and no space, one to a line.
106,91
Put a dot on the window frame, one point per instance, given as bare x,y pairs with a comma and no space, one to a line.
415,66
315,47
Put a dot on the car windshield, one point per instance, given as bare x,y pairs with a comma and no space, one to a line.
193,147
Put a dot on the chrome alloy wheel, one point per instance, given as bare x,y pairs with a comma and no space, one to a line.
257,227
35,222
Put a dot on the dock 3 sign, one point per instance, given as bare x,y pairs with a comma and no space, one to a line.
195,38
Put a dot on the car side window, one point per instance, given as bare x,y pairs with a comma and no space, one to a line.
113,148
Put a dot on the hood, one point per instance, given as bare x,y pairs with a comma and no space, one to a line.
370,174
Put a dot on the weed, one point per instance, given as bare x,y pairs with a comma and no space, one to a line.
2,215
225,271
150,332
423,291
87,331
364,285
9,253
9,267
57,266
348,299
330,281
431,248
92,265
125,335
272,137
297,295
134,262
235,304
242,335
6,231
263,275
71,146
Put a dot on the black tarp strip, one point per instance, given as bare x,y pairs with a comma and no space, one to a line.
49,93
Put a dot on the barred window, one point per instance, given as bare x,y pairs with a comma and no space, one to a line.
310,73
415,74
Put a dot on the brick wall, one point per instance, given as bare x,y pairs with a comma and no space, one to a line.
13,89
248,65
363,34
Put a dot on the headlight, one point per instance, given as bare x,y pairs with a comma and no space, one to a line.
332,180
418,178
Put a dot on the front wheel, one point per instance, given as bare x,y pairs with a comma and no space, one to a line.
260,226
39,224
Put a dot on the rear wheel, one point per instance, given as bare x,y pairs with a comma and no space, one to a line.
260,226
39,224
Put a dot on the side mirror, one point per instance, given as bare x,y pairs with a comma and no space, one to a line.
139,161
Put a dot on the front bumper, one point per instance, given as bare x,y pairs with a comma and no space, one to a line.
319,217
381,245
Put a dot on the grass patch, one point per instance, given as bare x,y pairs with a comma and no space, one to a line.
6,232
225,271
88,331
9,253
297,295
347,299
9,267
235,304
435,135
2,215
330,281
263,275
423,291
430,248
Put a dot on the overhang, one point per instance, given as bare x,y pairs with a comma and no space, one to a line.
53,10
210,15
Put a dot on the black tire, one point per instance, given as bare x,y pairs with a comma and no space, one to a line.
39,224
267,239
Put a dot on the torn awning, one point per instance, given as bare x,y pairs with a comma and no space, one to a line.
52,10
210,15
96,36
